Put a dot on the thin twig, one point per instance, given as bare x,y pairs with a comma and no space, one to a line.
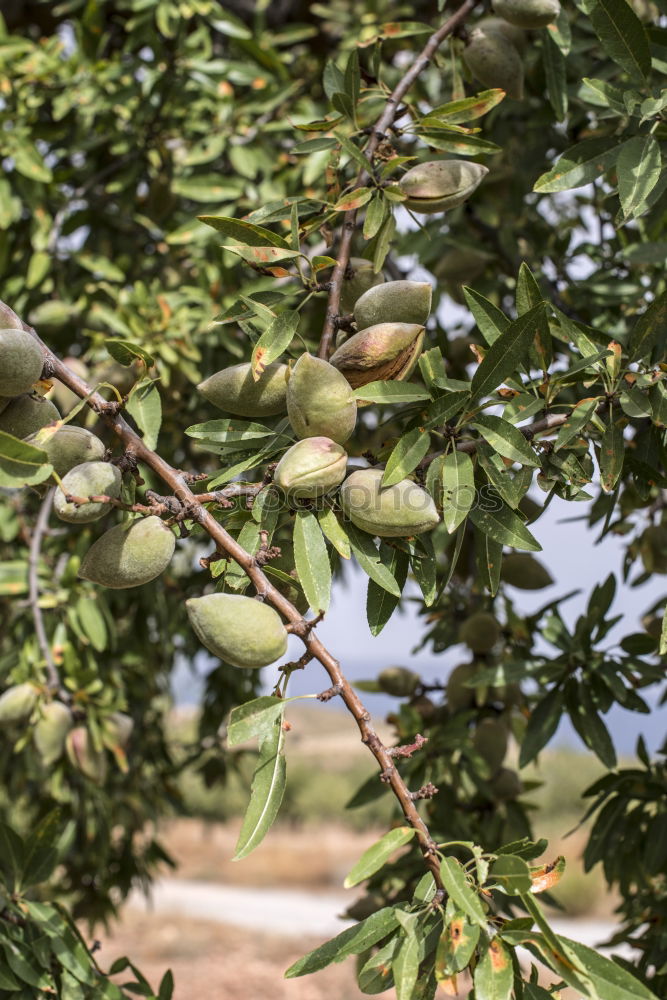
384,122
33,587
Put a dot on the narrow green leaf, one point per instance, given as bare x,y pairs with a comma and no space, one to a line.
494,976
458,489
255,718
622,35
528,292
383,242
312,561
378,854
335,532
264,256
638,169
368,558
12,856
663,633
405,965
268,787
506,439
491,320
611,980
21,464
424,566
375,216
275,339
579,165
588,723
612,452
577,420
495,518
556,75
542,725
489,556
506,353
391,392
461,892
649,334
511,874
380,604
444,408
468,108
456,946
244,232
145,408
353,199
406,456
352,941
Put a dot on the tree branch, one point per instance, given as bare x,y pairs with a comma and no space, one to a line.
227,545
378,132
33,588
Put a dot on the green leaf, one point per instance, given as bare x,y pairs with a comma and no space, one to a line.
443,408
244,232
369,559
353,199
166,990
229,431
579,165
506,439
405,965
511,874
391,392
352,941
378,854
506,353
638,169
650,331
375,216
468,108
312,561
458,489
456,946
494,976
126,353
255,718
92,622
275,339
577,420
489,556
406,456
268,787
556,75
612,452
588,723
28,162
423,563
145,408
491,320
13,578
263,256
21,464
495,518
542,724
528,292
335,532
380,604
611,980
461,892
622,35
383,242
12,856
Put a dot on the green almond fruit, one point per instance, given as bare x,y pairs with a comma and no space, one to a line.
506,785
525,572
311,468
500,26
495,62
398,511
117,730
67,446
398,681
240,630
27,414
438,185
653,548
480,632
129,554
320,402
21,362
528,13
462,266
490,741
386,351
394,302
51,731
459,695
17,702
91,763
359,277
87,480
235,391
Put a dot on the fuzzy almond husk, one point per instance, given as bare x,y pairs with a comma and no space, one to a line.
311,468
383,352
361,278
129,554
398,511
87,480
495,62
91,763
528,13
438,185
21,362
320,402
394,302
27,414
51,731
235,391
240,630
67,446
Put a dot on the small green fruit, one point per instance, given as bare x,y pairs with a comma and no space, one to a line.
362,277
386,351
129,554
84,757
234,390
495,62
21,362
500,26
27,414
490,741
425,707
398,511
462,266
117,730
87,480
398,681
394,302
506,785
480,632
51,731
320,402
522,570
68,446
459,696
17,702
528,13
438,185
653,548
311,468
240,630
